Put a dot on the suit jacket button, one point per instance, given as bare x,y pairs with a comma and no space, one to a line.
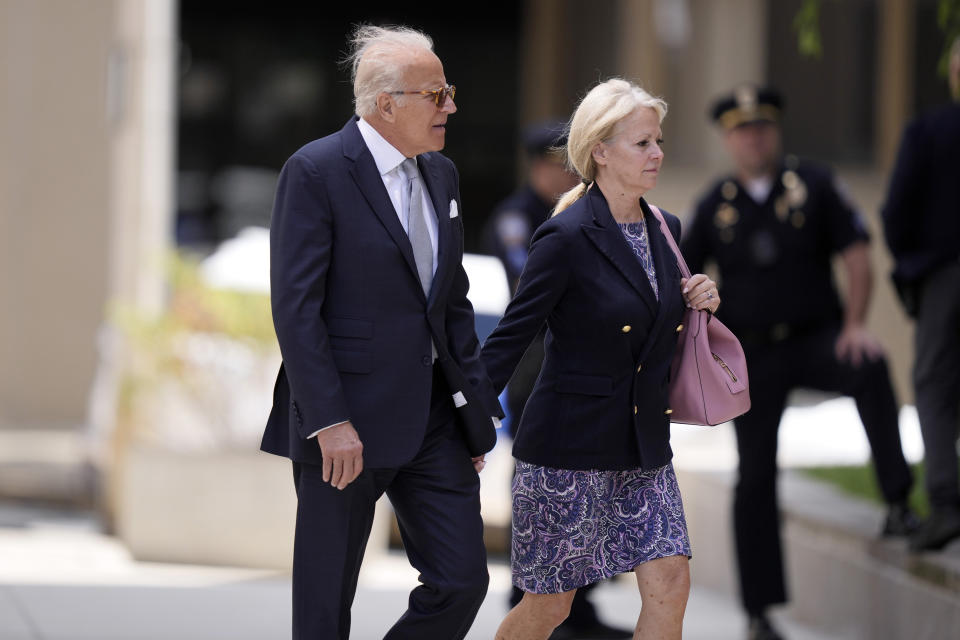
635,409
679,328
426,360
639,366
668,411
626,328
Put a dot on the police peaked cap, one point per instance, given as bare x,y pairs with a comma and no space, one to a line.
544,138
746,104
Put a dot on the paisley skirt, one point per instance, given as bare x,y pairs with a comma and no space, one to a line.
574,528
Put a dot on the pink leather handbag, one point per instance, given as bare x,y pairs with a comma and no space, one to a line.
708,377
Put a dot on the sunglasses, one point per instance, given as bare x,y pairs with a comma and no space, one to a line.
439,95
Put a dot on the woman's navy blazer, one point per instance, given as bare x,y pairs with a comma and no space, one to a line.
601,400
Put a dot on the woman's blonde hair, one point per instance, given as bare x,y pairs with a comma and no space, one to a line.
594,121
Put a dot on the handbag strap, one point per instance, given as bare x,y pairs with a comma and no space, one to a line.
684,269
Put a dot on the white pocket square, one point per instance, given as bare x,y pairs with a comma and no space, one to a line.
453,209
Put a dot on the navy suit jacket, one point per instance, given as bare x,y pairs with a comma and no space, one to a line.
353,323
601,399
921,215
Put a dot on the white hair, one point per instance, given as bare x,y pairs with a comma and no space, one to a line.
594,121
377,62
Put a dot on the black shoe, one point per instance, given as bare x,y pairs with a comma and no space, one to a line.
940,528
596,631
761,629
901,521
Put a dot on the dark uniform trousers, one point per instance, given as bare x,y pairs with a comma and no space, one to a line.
936,378
776,367
436,500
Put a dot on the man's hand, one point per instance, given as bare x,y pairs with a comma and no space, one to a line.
479,463
342,454
855,343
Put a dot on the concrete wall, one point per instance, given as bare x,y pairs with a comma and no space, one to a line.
86,136
841,579
86,121
54,206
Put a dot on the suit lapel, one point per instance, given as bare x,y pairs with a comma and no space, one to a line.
365,174
609,240
441,205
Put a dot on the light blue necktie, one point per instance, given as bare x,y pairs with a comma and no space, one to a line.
417,225
417,230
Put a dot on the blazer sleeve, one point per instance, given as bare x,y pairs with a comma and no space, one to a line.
544,280
462,333
301,240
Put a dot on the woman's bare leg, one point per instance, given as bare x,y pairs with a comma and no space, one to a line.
536,616
664,587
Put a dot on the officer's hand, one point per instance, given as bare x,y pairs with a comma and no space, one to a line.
700,293
342,454
855,343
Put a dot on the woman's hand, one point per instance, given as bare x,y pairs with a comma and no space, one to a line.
700,293
479,463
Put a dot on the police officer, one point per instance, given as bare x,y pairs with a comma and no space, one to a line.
922,223
514,220
771,228
511,225
507,236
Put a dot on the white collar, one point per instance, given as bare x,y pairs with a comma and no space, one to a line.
759,188
385,155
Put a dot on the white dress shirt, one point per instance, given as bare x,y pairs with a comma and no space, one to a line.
388,160
759,188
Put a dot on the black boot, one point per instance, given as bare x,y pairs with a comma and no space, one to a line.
901,521
761,629
940,528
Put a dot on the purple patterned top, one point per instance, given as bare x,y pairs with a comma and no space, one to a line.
636,235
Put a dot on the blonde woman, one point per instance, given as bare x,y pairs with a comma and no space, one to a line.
595,493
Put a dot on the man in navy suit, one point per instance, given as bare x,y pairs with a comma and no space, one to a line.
922,222
381,388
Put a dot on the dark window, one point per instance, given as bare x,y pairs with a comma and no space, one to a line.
829,111
258,80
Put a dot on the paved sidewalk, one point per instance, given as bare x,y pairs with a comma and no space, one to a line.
61,579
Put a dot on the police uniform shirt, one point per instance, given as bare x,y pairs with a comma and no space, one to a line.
774,256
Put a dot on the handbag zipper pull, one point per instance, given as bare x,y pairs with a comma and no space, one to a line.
725,367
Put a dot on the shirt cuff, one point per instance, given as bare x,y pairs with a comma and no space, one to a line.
314,434
496,422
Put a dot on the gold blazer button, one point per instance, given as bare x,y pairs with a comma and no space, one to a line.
635,409
626,328
668,411
639,366
679,328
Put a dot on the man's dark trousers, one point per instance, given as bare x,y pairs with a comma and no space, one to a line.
775,369
936,378
436,499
